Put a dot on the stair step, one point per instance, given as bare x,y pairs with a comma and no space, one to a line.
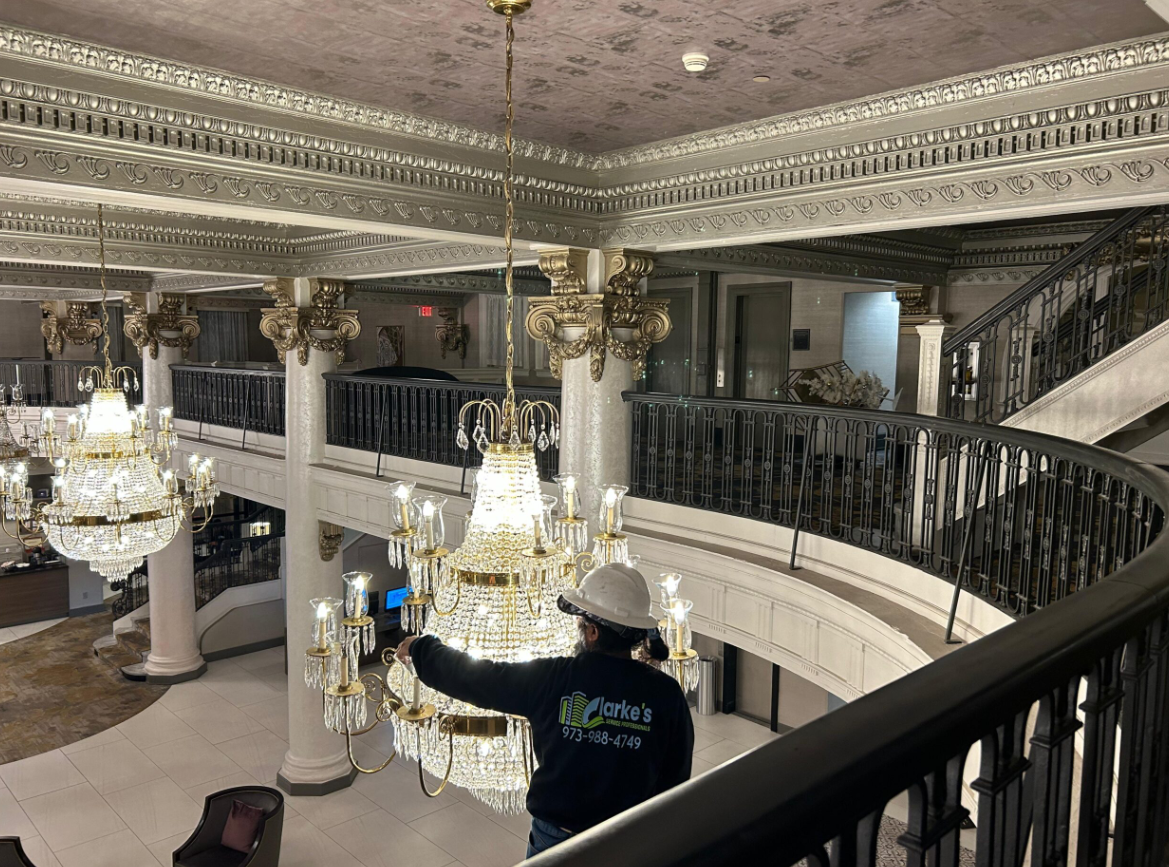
135,671
117,658
134,641
143,626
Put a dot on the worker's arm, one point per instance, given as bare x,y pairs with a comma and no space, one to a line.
505,687
680,752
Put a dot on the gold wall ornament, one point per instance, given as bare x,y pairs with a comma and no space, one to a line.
915,300
70,321
641,321
172,325
329,539
322,325
566,268
452,335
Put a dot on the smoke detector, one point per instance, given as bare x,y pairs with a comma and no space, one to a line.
695,61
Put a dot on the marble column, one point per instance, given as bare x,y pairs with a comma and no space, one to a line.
316,762
598,327
174,641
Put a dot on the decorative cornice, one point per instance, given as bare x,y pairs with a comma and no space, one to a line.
618,306
68,281
993,276
170,326
778,259
300,328
61,51
1045,72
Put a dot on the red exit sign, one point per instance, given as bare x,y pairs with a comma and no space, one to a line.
425,311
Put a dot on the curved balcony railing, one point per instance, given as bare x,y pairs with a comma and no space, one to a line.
415,418
1069,704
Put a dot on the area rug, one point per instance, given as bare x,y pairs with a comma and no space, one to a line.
54,691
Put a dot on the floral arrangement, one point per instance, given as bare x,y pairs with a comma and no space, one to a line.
846,388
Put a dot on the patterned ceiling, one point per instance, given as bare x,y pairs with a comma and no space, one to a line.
595,75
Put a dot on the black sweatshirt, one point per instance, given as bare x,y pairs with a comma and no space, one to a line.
609,732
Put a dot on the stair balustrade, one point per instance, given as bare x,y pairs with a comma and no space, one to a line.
1098,298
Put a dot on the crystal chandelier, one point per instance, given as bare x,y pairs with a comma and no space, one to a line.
493,597
14,452
112,501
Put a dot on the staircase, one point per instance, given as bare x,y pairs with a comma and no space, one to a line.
236,562
1079,350
127,649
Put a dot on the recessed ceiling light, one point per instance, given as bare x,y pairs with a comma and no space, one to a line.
760,79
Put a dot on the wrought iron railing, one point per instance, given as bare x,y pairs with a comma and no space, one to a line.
1069,704
237,563
222,529
250,399
1042,526
1113,288
50,383
415,418
133,592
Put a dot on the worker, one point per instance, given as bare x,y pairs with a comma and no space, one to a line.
608,731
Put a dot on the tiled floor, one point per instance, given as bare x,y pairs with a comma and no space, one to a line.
11,633
131,795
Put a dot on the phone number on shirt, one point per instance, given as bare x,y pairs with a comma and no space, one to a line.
632,742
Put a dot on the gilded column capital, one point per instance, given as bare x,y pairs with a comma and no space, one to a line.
322,324
915,300
70,321
567,268
617,320
452,335
173,325
329,539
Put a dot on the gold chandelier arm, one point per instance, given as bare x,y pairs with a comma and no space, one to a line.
26,541
446,778
353,761
453,608
208,514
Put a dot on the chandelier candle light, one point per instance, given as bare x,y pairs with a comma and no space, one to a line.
113,503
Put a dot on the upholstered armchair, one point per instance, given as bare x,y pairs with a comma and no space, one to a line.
204,848
12,854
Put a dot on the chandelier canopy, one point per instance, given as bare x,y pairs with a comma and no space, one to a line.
112,502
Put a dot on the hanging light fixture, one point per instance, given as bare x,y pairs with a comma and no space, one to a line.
113,503
14,451
494,596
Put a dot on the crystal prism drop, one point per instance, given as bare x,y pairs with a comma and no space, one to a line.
461,438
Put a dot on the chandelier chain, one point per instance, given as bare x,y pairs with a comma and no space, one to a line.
105,314
509,419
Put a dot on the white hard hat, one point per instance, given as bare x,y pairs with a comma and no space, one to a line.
614,593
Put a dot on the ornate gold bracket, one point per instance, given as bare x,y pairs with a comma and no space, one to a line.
170,326
617,307
329,539
75,326
451,335
915,300
323,325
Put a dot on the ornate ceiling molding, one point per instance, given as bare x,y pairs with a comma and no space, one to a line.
68,282
1045,73
777,259
61,51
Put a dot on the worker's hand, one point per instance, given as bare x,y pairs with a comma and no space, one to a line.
403,651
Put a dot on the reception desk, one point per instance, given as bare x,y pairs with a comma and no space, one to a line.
29,595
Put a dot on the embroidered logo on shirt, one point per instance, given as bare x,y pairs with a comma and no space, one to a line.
579,711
